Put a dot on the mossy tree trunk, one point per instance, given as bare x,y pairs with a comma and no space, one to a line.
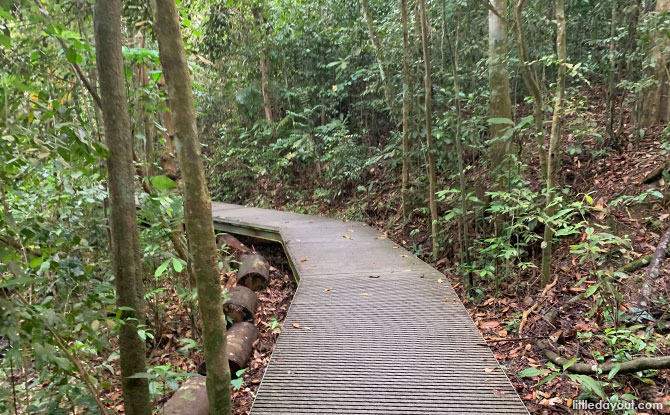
500,104
197,203
430,146
123,216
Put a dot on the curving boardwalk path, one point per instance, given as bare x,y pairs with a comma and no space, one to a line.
380,331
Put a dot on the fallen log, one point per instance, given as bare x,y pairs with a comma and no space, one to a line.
254,272
240,305
655,174
231,242
634,365
239,343
190,399
635,265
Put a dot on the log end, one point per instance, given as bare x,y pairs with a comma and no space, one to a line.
190,399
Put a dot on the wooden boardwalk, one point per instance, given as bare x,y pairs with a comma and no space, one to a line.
380,331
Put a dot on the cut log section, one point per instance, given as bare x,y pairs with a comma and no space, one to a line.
254,272
190,399
239,340
231,242
240,305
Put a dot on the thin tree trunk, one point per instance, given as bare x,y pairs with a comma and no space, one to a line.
379,53
430,147
148,131
500,103
530,78
264,66
168,163
197,204
123,216
554,141
465,246
612,81
654,102
405,111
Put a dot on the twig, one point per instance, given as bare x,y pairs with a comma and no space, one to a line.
11,373
81,369
14,244
517,339
525,314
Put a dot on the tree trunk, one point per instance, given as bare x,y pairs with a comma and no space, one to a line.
554,141
123,215
464,237
168,163
653,105
500,104
405,111
379,53
197,203
430,147
148,131
264,66
530,78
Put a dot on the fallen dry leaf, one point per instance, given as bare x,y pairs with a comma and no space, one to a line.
366,294
296,325
303,260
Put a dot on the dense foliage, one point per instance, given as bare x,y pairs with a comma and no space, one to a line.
293,114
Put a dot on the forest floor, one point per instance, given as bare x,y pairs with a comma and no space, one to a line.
589,166
167,349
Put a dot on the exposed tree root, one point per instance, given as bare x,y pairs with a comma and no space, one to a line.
642,363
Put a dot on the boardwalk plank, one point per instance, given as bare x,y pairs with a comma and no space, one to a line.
380,331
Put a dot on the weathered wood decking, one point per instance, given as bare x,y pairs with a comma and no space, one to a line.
379,332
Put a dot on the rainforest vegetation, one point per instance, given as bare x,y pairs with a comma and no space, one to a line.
519,146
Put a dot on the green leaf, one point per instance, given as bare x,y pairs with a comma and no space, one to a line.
589,384
5,15
177,265
163,182
72,56
501,121
614,371
17,281
237,383
548,379
5,40
570,362
531,372
591,290
161,268
142,375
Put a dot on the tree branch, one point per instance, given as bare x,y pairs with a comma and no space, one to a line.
634,365
77,69
494,11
